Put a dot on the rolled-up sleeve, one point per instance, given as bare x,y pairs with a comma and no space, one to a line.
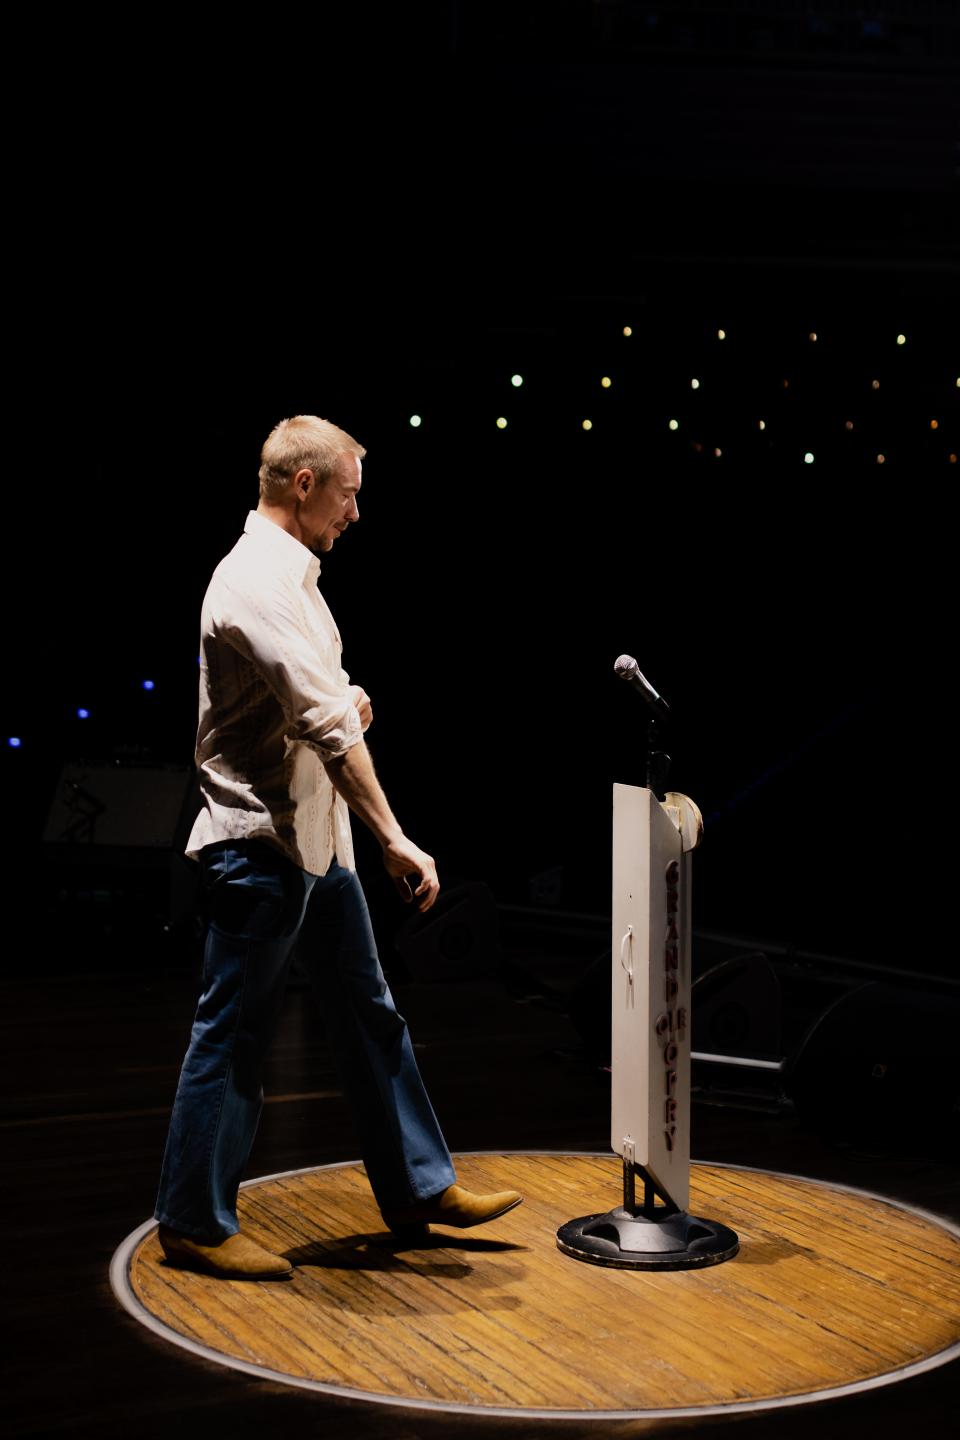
268,629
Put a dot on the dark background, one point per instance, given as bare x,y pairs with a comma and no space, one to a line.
205,251
217,221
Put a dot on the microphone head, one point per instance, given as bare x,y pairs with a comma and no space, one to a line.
625,666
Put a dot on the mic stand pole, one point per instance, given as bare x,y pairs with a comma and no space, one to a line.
658,762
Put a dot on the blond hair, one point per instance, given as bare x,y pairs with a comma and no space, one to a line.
303,442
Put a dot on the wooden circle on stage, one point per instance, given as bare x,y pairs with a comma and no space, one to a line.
833,1290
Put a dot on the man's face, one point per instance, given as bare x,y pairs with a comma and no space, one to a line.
332,506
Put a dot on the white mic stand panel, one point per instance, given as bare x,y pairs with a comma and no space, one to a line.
653,842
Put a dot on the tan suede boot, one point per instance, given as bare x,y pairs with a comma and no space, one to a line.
237,1257
454,1206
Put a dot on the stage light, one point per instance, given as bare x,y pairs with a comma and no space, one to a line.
881,459
606,382
416,421
674,425
588,424
148,685
874,384
953,459
516,380
785,384
812,335
694,384
718,452
14,742
627,330
808,458
761,424
721,334
901,339
848,424
501,423
83,714
934,425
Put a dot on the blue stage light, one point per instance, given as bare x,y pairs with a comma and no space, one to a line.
148,684
83,714
14,741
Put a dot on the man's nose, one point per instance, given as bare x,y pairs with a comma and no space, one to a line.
354,512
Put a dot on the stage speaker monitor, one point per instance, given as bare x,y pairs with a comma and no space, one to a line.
457,939
546,887
117,808
737,1008
880,1065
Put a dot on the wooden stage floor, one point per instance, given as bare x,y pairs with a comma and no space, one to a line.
91,1063
832,1290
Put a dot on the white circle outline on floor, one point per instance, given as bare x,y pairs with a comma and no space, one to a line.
122,1289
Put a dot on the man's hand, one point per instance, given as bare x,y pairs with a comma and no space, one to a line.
362,701
403,858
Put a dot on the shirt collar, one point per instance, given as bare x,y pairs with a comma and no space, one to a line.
294,556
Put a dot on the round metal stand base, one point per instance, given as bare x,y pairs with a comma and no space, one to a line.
674,1241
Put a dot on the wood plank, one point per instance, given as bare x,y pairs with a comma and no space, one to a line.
829,1288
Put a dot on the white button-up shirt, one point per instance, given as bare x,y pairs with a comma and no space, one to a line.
275,703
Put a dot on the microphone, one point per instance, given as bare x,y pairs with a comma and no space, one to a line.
628,669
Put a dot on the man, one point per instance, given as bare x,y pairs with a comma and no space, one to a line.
281,757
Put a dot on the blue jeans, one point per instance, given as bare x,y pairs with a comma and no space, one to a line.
259,906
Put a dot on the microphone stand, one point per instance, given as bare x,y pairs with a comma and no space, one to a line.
645,1235
658,762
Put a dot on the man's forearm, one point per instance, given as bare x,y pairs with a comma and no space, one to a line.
353,777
